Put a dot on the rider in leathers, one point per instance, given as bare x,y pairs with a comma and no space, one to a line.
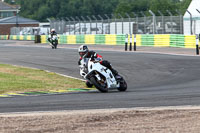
85,53
53,32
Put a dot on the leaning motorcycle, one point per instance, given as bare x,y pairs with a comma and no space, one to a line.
53,41
100,76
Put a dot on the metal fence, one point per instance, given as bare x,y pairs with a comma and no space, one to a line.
137,25
99,25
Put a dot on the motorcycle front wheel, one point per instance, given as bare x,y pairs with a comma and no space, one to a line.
98,85
54,45
123,85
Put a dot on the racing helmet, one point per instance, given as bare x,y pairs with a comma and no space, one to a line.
52,30
83,50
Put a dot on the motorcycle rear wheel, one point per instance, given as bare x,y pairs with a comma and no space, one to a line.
98,85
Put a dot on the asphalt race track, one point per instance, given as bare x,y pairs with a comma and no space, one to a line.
153,79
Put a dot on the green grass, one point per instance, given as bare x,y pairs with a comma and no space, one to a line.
19,79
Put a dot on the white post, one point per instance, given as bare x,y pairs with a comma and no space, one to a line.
126,42
197,44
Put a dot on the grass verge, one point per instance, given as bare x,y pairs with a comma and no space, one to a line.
20,79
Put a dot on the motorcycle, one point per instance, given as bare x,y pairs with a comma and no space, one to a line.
53,41
100,76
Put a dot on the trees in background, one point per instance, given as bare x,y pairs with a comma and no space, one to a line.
43,9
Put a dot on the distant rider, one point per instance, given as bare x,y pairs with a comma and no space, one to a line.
84,52
52,33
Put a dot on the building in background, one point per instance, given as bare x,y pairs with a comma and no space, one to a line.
192,23
7,10
16,22
12,23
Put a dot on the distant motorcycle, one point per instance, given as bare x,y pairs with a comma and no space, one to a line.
100,76
53,41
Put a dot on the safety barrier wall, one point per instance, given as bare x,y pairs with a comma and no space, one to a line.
89,39
3,37
165,40
159,40
17,37
22,37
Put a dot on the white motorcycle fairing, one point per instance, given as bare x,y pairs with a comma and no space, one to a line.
53,39
96,68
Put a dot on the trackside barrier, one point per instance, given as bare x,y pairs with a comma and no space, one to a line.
4,37
106,39
157,40
165,40
22,37
182,41
44,38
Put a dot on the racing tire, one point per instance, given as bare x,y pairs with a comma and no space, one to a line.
88,84
54,45
123,85
98,85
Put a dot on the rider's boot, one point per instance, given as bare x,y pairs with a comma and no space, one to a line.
115,73
109,66
117,76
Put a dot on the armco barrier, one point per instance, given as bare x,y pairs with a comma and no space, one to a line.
159,40
4,37
100,39
88,39
177,40
166,40
44,38
120,39
62,39
71,39
190,41
147,40
22,37
162,40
